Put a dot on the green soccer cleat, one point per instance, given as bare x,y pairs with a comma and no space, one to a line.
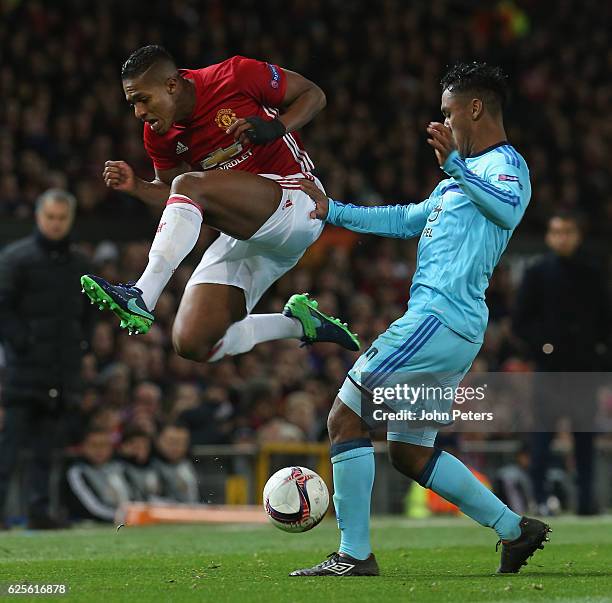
125,300
319,327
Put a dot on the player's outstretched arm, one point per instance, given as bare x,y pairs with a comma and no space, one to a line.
120,176
396,221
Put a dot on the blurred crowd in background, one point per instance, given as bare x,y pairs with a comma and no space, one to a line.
63,115
63,112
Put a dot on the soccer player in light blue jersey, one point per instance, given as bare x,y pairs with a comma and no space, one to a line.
464,227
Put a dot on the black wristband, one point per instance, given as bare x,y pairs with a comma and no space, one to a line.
265,130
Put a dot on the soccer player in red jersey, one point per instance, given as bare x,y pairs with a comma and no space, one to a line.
223,144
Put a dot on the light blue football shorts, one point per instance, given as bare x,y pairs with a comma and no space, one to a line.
414,366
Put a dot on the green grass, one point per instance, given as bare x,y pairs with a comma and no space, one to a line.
438,560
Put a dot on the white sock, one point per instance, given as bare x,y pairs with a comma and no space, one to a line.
243,335
177,233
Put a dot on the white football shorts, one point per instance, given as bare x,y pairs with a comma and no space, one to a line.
253,265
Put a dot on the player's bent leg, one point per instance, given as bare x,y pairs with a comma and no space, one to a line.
204,315
448,477
244,335
409,459
234,202
301,319
237,203
352,457
133,303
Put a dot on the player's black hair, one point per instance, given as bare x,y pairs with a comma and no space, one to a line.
488,81
140,60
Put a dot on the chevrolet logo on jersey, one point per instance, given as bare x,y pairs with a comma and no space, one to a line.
220,156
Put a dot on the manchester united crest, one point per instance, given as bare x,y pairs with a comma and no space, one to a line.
225,118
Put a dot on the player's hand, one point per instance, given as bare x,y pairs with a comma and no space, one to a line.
119,176
256,130
239,131
318,196
441,139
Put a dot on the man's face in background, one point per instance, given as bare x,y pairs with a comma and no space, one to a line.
54,219
563,236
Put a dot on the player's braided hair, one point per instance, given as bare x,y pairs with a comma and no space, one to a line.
140,60
486,80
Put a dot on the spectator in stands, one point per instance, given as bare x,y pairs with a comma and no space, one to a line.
146,407
562,313
185,397
134,458
176,471
208,416
95,486
300,411
513,485
44,327
279,429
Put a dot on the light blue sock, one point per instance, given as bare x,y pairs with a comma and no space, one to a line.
353,466
452,480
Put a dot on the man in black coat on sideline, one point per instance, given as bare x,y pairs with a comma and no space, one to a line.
44,329
562,313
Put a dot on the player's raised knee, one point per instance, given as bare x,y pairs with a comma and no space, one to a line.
189,347
191,184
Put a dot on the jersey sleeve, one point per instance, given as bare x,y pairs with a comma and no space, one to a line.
501,195
395,221
162,157
265,82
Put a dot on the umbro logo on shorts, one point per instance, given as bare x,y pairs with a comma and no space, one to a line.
340,568
181,148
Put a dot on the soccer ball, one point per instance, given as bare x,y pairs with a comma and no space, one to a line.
295,499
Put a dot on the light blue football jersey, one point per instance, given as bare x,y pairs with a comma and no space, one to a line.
464,227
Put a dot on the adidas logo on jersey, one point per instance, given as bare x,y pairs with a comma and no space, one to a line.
181,148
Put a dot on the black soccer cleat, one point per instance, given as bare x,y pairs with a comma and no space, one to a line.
317,326
514,553
341,565
125,300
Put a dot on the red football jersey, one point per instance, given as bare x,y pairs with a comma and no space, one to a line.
238,87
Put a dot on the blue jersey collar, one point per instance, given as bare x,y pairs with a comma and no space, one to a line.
494,146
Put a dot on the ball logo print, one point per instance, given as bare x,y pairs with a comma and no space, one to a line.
295,499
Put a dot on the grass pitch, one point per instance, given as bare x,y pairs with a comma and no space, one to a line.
436,560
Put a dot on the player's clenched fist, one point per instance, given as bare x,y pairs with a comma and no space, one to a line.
319,197
255,130
119,175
